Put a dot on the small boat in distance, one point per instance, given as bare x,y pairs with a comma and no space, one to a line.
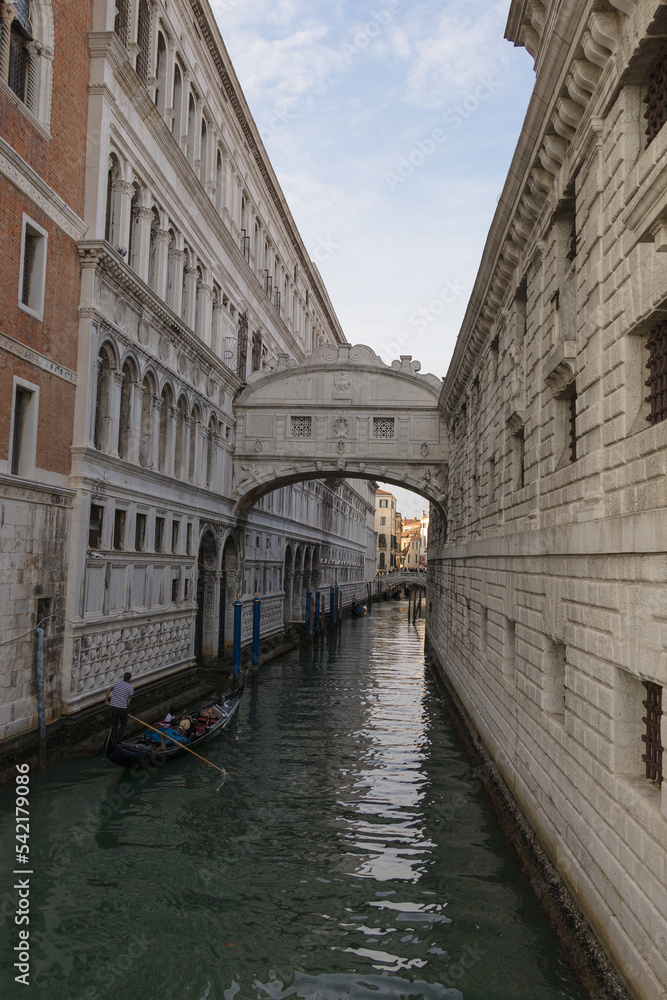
359,610
204,724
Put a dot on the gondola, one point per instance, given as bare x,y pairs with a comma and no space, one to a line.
359,610
206,722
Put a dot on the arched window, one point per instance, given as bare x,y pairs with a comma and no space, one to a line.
218,183
191,131
161,74
27,41
177,103
144,41
125,426
102,397
112,220
154,251
243,213
203,152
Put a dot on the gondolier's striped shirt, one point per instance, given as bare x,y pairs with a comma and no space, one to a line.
120,693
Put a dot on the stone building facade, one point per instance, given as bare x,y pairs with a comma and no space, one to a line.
193,277
43,78
386,516
549,579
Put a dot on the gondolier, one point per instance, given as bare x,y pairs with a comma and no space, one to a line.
119,697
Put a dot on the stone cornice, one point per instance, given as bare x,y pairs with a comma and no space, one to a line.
29,182
211,34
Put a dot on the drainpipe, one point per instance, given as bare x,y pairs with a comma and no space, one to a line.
41,712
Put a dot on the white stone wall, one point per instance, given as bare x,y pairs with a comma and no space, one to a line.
548,596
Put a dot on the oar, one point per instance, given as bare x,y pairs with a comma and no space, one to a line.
161,732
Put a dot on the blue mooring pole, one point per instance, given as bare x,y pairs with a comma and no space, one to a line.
317,611
332,610
238,612
256,613
337,605
309,602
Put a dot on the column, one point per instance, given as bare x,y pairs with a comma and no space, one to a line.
185,449
115,389
169,112
201,441
191,279
176,260
212,154
196,160
170,456
205,312
185,98
162,239
155,457
142,240
124,190
136,398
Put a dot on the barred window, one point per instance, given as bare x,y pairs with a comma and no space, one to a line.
382,541
653,756
656,101
302,427
144,40
122,20
657,366
383,427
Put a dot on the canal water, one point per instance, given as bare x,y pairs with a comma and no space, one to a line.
349,852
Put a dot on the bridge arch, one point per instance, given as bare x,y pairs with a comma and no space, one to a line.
341,413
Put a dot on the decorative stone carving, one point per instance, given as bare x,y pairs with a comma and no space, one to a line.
143,332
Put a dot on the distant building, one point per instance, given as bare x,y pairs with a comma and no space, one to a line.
414,542
387,533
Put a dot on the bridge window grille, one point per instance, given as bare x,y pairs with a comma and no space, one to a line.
383,427
653,756
657,380
656,101
302,427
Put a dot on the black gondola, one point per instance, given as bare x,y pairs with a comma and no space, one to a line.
206,722
359,610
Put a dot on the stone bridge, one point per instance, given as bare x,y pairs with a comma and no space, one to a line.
341,413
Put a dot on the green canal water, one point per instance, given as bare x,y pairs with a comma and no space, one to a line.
349,852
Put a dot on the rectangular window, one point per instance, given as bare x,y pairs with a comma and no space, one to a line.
175,526
302,427
186,595
32,273
652,738
140,533
383,520
188,545
118,541
384,503
175,588
95,526
24,430
383,427
657,380
382,541
656,101
159,534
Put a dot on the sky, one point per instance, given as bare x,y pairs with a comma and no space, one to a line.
390,125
